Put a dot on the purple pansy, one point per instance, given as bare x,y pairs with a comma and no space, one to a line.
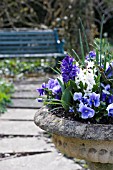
106,95
105,92
77,96
91,55
68,70
71,109
44,85
54,86
85,100
110,110
40,100
41,91
110,99
109,71
86,111
94,99
56,89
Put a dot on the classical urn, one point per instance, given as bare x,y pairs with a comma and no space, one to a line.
91,142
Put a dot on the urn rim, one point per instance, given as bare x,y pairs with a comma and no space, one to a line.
68,128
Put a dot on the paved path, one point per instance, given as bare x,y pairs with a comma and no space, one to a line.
24,146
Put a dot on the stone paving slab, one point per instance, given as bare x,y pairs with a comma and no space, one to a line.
25,103
39,78
27,87
26,95
19,128
28,144
47,161
18,114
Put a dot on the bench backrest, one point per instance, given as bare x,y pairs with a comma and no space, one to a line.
29,42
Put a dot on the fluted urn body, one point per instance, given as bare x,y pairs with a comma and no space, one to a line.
91,142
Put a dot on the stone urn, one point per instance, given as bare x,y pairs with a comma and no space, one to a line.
91,142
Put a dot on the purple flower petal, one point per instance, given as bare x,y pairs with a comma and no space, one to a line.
56,89
40,91
91,55
77,96
71,109
68,69
87,112
39,99
109,71
110,110
94,99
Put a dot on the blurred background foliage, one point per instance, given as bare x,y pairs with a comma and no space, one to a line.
6,91
64,15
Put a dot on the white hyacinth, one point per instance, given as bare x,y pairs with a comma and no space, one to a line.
86,76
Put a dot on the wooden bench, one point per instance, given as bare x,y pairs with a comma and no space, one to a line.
30,43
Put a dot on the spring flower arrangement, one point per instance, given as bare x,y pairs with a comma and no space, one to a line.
83,90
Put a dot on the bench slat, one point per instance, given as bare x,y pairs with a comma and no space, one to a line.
14,38
32,55
25,43
28,51
16,33
20,51
27,47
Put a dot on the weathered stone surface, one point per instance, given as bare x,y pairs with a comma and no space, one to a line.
29,87
19,114
90,150
28,144
92,142
26,95
19,128
68,128
25,103
48,161
98,166
39,78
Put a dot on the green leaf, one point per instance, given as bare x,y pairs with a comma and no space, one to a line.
101,44
105,63
61,84
66,98
81,85
97,57
73,85
85,37
77,57
55,71
82,48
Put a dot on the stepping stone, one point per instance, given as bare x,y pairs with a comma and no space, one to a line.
25,103
40,78
27,87
19,114
47,161
25,95
19,128
25,145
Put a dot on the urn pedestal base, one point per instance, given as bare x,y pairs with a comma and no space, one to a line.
98,154
91,142
100,166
